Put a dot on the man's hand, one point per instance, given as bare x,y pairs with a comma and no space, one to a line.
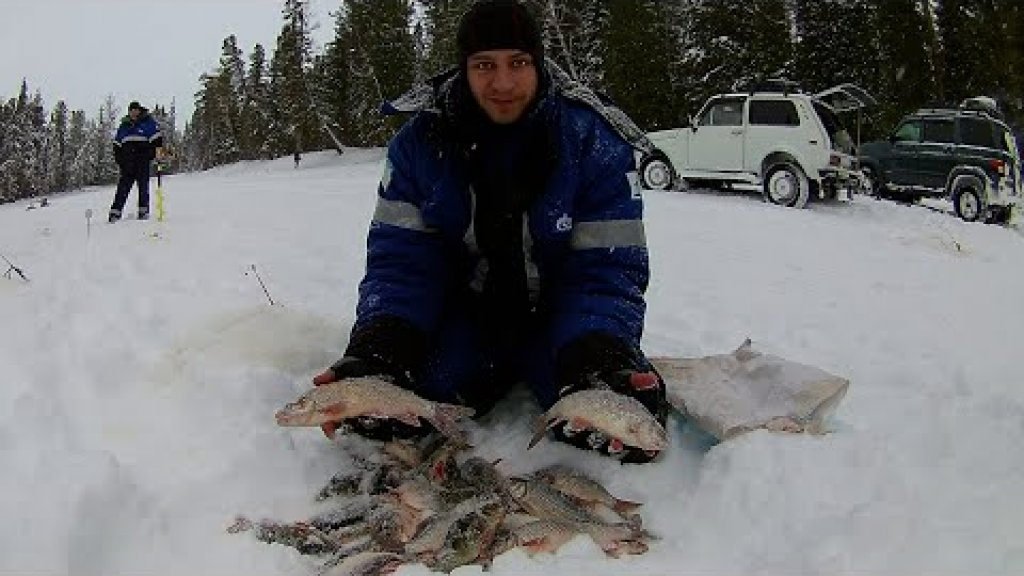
368,427
326,377
598,360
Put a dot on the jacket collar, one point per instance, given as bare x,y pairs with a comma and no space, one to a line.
439,96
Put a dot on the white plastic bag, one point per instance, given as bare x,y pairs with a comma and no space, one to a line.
728,394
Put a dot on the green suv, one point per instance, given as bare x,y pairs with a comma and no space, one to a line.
967,155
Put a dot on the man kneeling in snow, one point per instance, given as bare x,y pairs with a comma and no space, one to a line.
508,241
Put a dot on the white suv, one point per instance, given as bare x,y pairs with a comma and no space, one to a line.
790,144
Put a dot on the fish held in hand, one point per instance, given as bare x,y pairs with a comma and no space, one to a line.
615,415
374,398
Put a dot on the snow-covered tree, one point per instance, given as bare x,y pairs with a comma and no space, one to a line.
381,60
58,151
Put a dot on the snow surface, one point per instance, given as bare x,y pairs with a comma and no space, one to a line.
142,366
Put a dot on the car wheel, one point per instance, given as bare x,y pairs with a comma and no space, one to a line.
872,181
968,205
656,173
786,185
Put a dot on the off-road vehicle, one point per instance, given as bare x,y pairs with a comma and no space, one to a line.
967,154
790,144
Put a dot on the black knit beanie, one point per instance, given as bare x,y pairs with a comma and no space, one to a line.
499,25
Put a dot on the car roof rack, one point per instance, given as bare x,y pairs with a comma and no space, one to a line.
982,104
995,114
774,85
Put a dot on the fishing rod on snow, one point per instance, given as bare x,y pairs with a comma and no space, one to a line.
262,285
12,269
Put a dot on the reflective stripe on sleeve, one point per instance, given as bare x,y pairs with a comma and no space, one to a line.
400,214
608,234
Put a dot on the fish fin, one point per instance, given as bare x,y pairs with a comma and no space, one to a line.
408,418
446,417
625,507
540,427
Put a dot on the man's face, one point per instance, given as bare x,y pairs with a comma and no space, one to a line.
134,113
503,83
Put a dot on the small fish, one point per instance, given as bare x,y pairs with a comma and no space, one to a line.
350,513
543,536
418,493
367,564
470,539
406,453
541,500
435,532
546,503
574,484
302,536
341,484
481,476
375,398
439,465
615,415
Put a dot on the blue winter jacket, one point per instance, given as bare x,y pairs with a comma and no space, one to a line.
135,143
584,235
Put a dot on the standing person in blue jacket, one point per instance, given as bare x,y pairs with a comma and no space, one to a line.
137,142
508,241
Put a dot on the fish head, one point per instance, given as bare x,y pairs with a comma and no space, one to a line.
648,434
310,409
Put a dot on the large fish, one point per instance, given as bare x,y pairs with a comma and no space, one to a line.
372,397
576,485
615,415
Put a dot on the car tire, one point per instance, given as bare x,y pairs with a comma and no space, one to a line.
968,204
786,185
656,172
873,180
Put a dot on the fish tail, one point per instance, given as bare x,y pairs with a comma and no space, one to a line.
446,417
540,427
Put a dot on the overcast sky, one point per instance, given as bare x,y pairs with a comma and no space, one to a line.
146,50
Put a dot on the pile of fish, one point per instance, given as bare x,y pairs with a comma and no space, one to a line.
426,502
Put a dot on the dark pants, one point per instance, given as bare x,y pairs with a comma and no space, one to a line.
470,366
137,175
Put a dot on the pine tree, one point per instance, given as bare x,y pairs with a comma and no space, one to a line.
294,120
637,66
103,169
733,42
441,18
969,67
229,86
255,112
78,150
572,34
381,63
58,176
836,43
22,146
906,72
333,78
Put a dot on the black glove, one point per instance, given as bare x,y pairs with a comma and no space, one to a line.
390,349
597,360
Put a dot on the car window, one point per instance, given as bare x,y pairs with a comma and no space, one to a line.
773,113
908,132
1004,140
976,132
723,113
940,130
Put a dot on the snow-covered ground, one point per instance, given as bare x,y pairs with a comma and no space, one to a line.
142,365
